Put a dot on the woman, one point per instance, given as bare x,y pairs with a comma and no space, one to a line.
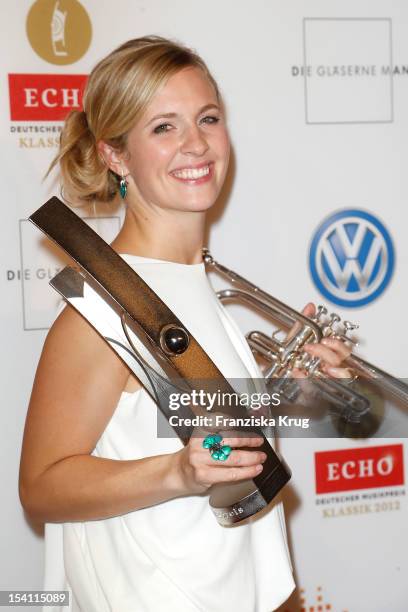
128,527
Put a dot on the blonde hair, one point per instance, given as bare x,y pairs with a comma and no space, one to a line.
117,93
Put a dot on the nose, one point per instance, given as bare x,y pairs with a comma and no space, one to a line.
194,141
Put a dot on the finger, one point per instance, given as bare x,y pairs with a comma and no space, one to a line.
338,346
298,373
239,458
220,474
338,372
196,441
242,440
324,353
309,310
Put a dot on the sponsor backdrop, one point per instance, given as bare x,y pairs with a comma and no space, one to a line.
314,209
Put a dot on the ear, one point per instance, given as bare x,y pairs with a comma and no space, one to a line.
112,158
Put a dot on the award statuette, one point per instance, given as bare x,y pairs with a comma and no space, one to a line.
154,344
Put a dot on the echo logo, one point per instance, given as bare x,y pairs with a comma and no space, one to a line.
359,468
45,97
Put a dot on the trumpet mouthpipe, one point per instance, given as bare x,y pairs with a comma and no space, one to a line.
272,307
277,310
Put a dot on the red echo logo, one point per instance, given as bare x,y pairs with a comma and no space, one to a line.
45,97
359,468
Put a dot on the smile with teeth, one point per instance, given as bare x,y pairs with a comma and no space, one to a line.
192,173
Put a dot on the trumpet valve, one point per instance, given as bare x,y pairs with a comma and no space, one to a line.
329,328
334,318
312,365
304,361
349,326
320,312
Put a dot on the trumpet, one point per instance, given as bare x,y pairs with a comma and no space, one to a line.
283,355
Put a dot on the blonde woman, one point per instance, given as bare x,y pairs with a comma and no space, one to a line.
128,527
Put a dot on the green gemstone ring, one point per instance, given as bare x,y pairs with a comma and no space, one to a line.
218,451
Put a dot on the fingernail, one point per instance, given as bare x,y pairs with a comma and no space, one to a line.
259,468
326,341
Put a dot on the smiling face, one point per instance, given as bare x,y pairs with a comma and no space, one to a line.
179,149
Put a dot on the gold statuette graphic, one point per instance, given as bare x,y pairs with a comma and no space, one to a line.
59,31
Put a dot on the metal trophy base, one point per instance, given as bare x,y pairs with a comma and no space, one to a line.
234,503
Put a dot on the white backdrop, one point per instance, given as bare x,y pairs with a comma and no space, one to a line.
309,140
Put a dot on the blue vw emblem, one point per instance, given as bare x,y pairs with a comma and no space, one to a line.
351,258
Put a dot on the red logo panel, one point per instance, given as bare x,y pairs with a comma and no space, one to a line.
45,97
359,468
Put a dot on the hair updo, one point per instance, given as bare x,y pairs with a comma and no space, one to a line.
117,93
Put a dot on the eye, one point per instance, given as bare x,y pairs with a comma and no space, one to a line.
160,129
210,119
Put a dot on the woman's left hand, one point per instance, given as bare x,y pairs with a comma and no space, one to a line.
331,351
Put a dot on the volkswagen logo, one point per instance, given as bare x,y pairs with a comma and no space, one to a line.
351,258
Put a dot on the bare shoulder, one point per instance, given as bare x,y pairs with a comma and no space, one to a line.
73,345
71,327
77,386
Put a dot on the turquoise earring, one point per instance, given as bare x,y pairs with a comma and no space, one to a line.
123,187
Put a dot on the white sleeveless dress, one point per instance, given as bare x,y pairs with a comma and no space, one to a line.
173,556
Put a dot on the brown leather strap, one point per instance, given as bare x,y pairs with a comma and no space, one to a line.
126,287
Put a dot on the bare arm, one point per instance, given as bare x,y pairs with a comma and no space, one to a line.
77,386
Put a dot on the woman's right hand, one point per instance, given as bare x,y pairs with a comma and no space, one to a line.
77,387
197,470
